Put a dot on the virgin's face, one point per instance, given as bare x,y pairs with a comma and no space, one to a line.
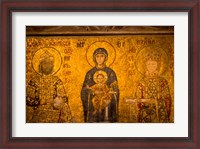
151,65
100,58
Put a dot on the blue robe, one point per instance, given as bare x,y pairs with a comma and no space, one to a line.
87,96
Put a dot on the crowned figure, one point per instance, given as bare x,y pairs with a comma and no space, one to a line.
155,88
46,95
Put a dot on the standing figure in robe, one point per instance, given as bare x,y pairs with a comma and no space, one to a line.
92,92
155,88
46,95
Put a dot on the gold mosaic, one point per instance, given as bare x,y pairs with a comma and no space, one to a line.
121,78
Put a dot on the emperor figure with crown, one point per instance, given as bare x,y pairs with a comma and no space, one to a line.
46,95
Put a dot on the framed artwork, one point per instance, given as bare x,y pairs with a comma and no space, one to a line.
99,74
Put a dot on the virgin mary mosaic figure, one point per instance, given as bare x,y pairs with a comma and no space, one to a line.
100,92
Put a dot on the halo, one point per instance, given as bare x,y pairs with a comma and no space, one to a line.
55,53
101,44
140,59
100,72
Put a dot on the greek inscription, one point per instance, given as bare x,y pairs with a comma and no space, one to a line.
80,44
120,44
145,42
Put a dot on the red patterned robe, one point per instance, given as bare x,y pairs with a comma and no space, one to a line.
154,88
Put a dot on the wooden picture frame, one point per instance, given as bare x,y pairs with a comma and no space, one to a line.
191,7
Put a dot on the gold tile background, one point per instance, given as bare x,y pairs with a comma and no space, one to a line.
75,66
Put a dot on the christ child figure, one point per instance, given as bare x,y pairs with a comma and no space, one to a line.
102,93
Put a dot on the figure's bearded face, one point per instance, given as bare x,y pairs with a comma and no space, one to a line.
46,67
100,59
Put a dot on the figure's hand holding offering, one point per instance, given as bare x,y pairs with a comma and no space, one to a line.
42,102
58,102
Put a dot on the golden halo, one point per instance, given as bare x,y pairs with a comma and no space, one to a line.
141,57
101,44
100,72
56,56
